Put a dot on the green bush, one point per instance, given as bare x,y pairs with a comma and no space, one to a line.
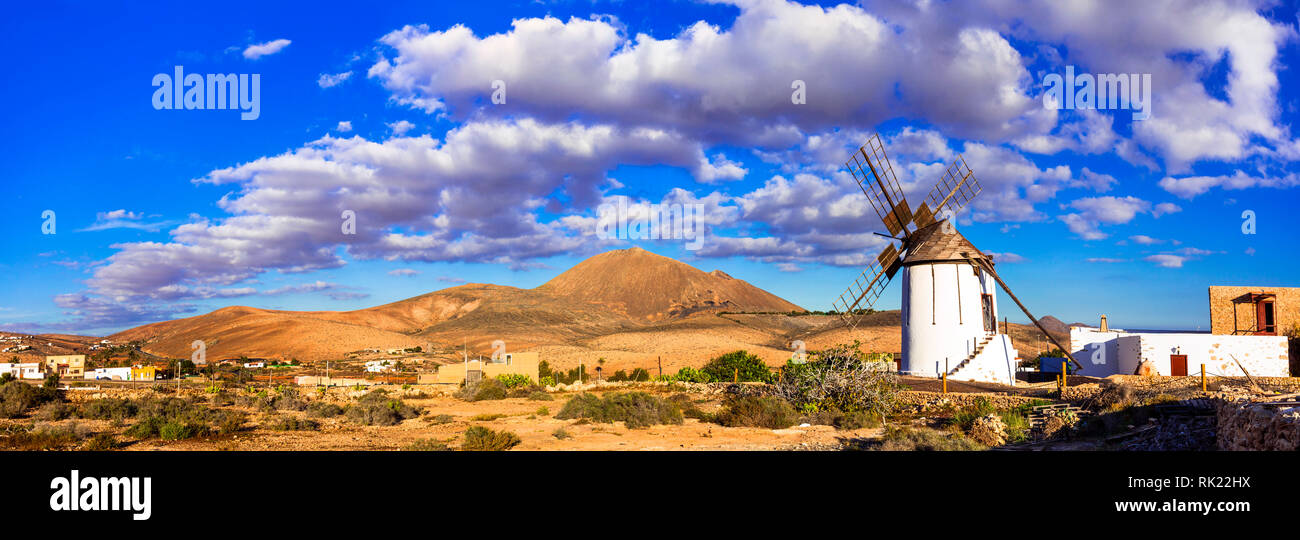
486,389
757,411
966,417
692,375
441,419
541,395
479,439
515,380
175,431
636,409
737,364
561,433
17,396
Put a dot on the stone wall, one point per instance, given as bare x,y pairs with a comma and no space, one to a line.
932,399
1244,425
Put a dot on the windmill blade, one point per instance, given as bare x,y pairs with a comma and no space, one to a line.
875,175
955,189
867,288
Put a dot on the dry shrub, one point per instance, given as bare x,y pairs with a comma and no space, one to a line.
757,411
636,409
840,379
481,439
906,438
483,390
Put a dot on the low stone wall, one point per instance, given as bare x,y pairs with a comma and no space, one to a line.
1244,425
921,399
1080,393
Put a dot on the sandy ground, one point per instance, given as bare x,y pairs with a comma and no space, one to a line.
534,426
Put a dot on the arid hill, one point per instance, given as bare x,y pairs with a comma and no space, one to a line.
643,285
617,291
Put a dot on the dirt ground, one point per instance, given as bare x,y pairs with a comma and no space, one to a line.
535,427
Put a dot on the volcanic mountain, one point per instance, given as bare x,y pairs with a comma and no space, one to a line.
623,291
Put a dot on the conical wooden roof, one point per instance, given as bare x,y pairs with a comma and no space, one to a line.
933,244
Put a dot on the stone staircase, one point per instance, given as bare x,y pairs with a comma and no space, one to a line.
979,347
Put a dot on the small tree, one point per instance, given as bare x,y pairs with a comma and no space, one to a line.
738,365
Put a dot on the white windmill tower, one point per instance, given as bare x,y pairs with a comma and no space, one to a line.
950,307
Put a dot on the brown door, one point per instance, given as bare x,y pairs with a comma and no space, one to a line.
989,322
1264,323
1178,365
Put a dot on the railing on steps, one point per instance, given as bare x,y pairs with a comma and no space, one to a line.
979,347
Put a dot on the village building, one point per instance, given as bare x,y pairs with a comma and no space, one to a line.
70,365
108,374
23,370
1247,327
379,366
1260,311
519,363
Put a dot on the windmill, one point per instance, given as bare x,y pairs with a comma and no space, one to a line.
949,306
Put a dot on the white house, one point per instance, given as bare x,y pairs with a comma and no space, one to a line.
254,365
24,370
1115,351
108,374
379,366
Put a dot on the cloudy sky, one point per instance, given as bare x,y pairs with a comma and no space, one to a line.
388,113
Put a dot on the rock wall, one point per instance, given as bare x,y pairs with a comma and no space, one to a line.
932,399
1243,425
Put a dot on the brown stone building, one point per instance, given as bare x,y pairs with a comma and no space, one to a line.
1267,311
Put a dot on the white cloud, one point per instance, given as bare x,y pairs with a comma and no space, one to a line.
330,80
400,127
253,52
725,85
1008,258
404,272
1167,260
1190,187
1145,240
123,219
344,126
1164,209
1095,211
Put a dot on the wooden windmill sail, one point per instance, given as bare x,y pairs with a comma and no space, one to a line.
918,237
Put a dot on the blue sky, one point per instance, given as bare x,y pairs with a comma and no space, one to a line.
387,111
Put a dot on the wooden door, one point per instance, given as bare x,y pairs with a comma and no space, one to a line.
1264,323
990,324
1178,365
